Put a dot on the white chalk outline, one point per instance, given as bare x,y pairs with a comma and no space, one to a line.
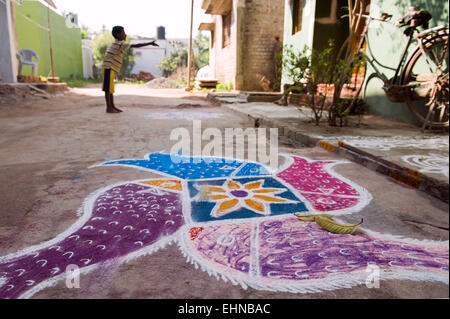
182,238
331,282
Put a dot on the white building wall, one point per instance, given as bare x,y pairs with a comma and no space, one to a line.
88,59
147,58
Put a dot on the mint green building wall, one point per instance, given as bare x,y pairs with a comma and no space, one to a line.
314,34
66,40
387,43
306,35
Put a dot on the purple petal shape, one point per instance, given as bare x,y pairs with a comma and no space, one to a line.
124,219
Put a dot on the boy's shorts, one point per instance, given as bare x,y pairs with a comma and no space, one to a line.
108,80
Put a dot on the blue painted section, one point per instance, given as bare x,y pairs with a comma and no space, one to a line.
201,209
190,168
252,169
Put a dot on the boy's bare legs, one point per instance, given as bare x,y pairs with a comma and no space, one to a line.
110,108
112,102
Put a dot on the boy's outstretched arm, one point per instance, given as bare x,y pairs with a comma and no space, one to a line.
140,45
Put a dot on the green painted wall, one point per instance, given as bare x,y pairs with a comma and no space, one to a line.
66,40
314,34
387,43
305,36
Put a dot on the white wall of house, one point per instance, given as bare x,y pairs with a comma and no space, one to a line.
8,64
88,59
148,58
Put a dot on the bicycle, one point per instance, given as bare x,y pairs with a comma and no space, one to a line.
423,81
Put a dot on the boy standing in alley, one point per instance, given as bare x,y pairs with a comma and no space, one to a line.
113,62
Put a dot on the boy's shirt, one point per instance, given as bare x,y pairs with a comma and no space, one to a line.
114,55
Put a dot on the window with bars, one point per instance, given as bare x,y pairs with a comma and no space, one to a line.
226,30
297,16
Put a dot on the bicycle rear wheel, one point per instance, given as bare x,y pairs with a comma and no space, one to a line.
427,77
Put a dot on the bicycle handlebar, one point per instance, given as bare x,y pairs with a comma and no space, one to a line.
413,19
385,17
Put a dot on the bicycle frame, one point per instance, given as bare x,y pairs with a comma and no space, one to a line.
394,88
373,61
398,89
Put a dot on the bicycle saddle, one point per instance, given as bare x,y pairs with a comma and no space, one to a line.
415,18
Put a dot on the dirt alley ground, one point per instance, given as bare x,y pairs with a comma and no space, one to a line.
48,145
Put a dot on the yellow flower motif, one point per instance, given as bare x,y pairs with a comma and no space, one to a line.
234,195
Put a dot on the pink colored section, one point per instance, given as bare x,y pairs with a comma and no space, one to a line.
324,191
289,249
227,245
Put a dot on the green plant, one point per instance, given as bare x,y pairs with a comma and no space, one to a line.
316,74
340,109
78,82
307,69
100,45
225,86
201,46
131,81
173,61
179,58
85,32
